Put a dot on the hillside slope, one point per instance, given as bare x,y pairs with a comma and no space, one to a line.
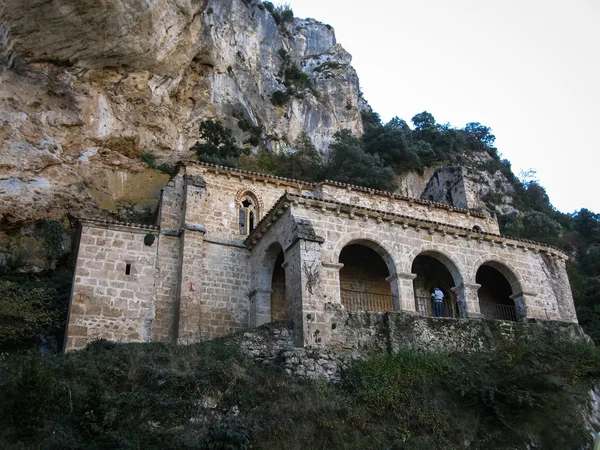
529,393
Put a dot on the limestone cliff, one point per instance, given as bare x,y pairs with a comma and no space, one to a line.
88,86
91,85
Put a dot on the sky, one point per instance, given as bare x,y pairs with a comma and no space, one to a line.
528,69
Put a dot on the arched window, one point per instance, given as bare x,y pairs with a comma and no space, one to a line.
477,229
248,214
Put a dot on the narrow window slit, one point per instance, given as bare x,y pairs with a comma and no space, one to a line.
128,269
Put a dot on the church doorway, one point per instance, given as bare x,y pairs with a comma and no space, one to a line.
278,304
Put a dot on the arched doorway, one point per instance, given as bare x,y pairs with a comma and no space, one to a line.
363,278
278,304
269,297
433,270
495,293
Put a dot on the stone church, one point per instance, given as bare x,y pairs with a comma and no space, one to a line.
234,249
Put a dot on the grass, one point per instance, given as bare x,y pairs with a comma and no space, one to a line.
210,395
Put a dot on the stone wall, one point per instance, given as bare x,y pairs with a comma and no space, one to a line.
355,335
215,283
168,262
536,273
113,291
419,209
219,210
202,278
538,277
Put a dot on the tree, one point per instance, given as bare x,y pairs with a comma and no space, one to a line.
481,133
219,146
307,162
349,163
587,224
423,121
370,119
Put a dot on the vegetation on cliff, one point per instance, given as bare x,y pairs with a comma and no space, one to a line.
211,396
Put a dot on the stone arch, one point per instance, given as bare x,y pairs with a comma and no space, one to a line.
250,210
267,265
367,275
510,273
499,286
358,238
449,262
433,269
246,190
267,298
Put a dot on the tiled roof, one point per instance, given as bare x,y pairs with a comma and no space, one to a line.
108,222
249,173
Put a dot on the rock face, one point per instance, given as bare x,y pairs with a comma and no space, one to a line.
88,86
469,186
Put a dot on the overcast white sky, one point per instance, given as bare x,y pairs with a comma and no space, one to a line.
529,69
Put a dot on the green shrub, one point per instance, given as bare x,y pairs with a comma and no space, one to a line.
53,233
33,310
227,436
328,65
296,77
270,6
144,395
169,169
149,159
280,98
219,146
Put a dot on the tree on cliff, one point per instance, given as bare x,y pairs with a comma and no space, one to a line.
219,146
349,163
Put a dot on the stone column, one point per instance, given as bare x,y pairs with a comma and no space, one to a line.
521,299
304,292
260,307
190,292
403,291
331,282
293,292
468,300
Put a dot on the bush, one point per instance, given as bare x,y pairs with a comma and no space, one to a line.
209,395
149,159
270,6
280,98
219,146
169,169
349,163
53,233
33,310
295,77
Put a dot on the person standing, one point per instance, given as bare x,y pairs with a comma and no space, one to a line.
438,298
